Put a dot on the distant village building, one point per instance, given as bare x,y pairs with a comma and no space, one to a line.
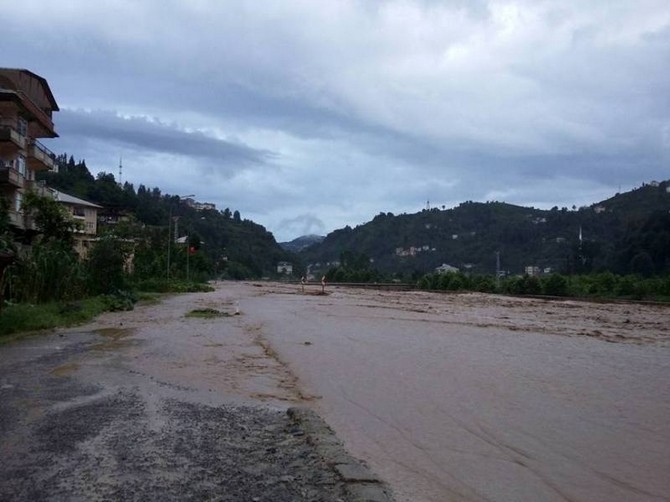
284,267
198,206
444,268
532,270
201,206
413,250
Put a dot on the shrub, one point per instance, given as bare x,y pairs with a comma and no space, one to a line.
556,285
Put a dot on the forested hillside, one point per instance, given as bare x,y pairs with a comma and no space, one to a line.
628,233
223,242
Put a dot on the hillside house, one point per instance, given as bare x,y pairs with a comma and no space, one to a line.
444,268
284,267
86,215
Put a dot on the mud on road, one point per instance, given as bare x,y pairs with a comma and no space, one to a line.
152,405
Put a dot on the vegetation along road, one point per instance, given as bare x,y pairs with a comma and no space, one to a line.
443,397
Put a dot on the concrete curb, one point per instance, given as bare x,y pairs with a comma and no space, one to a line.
362,484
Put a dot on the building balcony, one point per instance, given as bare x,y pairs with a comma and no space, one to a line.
40,188
9,176
17,219
12,137
40,158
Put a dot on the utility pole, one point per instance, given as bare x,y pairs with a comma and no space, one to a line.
169,243
497,268
188,251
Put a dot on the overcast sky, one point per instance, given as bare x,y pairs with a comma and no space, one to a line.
307,116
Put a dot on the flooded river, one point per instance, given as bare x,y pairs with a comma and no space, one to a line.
477,397
466,397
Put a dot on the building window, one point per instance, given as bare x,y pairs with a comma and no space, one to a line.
18,201
22,126
78,211
21,165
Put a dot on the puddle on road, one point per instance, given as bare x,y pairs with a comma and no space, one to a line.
116,338
115,333
65,369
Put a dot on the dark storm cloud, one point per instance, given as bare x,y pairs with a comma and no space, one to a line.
152,135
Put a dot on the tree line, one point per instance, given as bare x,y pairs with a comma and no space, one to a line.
135,247
358,268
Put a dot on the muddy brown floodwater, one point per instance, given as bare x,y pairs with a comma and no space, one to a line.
446,397
480,397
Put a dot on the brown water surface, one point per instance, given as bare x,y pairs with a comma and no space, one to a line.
447,397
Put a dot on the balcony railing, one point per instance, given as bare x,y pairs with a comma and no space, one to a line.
16,219
9,134
40,188
12,177
40,158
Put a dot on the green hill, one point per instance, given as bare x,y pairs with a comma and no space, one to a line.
225,243
613,233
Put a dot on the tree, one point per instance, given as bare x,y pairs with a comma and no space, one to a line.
51,271
51,218
642,264
7,251
106,265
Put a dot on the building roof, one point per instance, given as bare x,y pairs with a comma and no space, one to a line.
41,80
32,93
71,199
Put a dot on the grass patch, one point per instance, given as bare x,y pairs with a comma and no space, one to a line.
24,317
148,298
207,313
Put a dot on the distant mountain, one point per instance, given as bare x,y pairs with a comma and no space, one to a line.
627,233
297,245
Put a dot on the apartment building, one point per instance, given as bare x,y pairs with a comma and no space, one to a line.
26,108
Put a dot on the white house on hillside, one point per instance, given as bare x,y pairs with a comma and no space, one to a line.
444,268
284,267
